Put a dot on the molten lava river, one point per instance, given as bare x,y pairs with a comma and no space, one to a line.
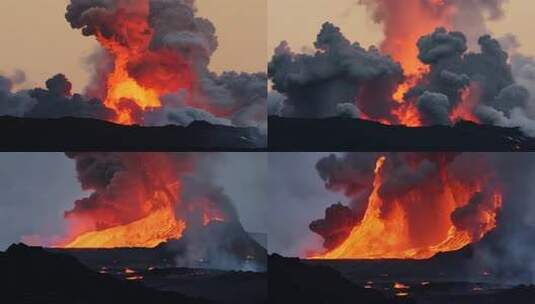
158,226
399,234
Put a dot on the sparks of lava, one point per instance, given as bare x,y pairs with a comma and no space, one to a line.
390,235
140,74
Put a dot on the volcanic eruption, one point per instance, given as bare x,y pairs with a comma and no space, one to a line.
437,65
138,200
407,205
151,69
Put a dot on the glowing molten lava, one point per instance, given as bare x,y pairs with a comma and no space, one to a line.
158,227
421,232
140,74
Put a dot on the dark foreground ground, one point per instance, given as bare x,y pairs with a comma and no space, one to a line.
36,275
346,134
80,134
363,282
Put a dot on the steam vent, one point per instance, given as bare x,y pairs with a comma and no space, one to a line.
267,151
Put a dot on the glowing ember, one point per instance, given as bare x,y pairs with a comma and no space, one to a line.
398,285
134,278
389,234
128,270
402,294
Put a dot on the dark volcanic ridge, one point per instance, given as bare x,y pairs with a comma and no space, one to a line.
84,134
348,134
454,277
34,275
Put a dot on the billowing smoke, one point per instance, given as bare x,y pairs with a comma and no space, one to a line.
424,181
145,199
338,73
153,51
508,252
336,226
123,186
437,64
55,101
425,196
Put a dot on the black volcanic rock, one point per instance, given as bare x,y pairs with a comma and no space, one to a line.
291,281
33,275
83,134
347,134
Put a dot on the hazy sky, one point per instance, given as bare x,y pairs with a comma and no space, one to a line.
296,196
36,188
299,21
36,38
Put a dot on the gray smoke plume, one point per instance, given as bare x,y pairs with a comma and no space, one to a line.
240,98
434,108
402,174
122,184
14,103
506,251
55,101
338,73
472,15
465,60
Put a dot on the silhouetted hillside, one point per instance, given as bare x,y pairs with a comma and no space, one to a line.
33,275
346,134
81,134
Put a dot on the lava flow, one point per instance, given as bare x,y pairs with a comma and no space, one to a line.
137,201
158,227
421,222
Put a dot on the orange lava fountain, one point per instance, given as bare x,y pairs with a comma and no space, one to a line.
392,235
404,22
140,74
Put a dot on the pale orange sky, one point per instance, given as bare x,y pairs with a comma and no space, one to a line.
299,21
36,38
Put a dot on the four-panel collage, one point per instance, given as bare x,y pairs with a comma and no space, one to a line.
267,151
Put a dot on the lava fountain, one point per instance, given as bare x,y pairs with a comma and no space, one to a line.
421,222
141,73
404,22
